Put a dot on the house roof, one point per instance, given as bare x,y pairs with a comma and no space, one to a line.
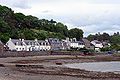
54,41
77,42
86,42
96,41
27,42
19,42
42,41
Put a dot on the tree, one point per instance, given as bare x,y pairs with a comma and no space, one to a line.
105,36
100,37
4,27
61,28
76,33
115,39
91,37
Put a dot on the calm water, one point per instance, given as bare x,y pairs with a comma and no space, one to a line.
113,66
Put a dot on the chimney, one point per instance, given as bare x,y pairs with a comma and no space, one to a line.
9,38
74,39
71,40
67,39
46,40
22,40
36,40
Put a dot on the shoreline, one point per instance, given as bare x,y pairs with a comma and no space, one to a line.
55,66
37,67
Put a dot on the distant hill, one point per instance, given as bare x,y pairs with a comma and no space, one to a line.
18,25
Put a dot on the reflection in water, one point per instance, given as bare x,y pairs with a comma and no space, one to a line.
113,66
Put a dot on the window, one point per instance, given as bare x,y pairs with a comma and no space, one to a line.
43,43
46,43
40,43
30,43
16,48
21,44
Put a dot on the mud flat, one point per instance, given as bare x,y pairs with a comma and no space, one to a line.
54,67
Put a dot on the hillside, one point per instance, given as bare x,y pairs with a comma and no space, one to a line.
18,25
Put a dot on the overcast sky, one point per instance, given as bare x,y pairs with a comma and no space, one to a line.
92,16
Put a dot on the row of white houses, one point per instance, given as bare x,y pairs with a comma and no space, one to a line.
42,45
27,45
51,44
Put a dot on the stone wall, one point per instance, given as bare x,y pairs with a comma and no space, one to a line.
40,53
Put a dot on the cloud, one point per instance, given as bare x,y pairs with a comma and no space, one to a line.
90,15
23,4
46,11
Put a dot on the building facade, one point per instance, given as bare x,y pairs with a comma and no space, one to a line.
27,45
98,45
73,43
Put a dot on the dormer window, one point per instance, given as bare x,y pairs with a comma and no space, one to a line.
40,43
43,43
16,43
21,44
56,40
30,43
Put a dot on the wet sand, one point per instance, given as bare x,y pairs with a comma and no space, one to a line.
49,68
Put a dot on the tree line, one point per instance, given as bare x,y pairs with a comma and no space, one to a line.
18,25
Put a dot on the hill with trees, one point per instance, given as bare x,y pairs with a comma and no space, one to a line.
18,25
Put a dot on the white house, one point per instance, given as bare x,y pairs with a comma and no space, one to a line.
16,44
28,45
77,44
97,44
44,45
31,45
73,43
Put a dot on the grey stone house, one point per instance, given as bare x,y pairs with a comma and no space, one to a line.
55,44
88,44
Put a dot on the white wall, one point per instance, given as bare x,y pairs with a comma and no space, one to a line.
76,45
20,48
25,47
11,45
97,45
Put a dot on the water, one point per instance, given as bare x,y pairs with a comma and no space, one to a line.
113,66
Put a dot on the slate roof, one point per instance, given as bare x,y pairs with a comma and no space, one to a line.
80,42
96,41
19,42
30,42
42,41
86,42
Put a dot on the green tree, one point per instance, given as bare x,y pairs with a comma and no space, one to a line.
91,37
115,39
4,27
76,33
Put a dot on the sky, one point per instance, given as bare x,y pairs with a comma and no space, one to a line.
92,16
